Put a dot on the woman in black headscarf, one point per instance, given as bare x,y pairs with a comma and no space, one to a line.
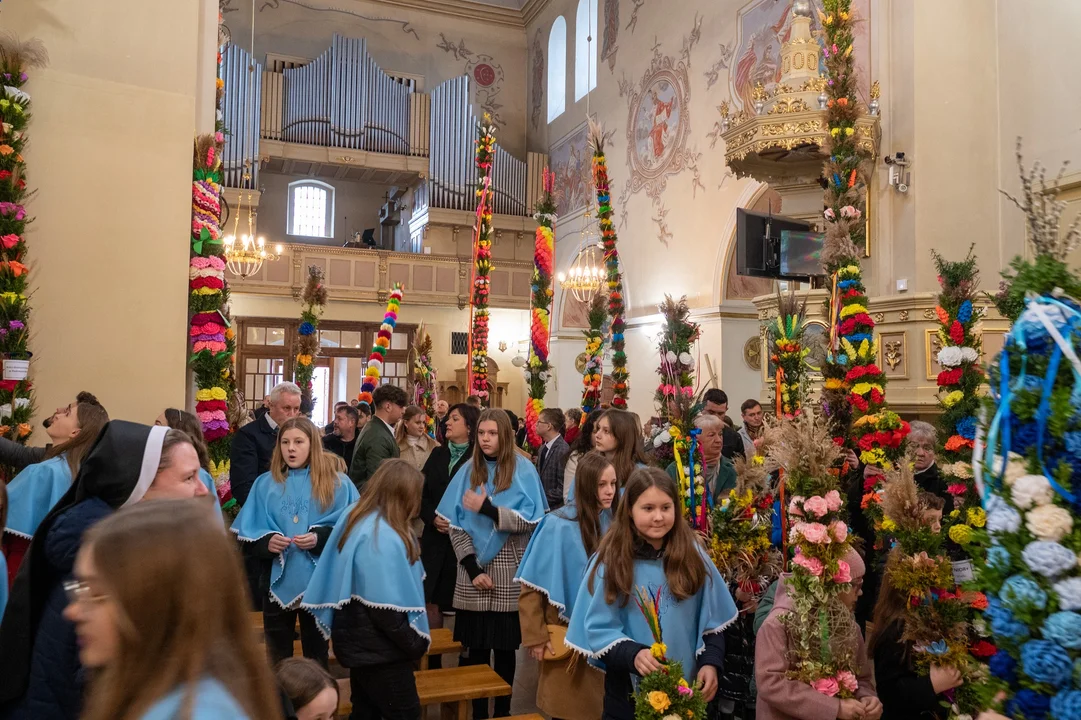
40,674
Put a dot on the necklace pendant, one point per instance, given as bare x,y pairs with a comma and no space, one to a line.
296,518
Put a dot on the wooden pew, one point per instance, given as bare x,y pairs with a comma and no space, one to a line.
452,688
443,643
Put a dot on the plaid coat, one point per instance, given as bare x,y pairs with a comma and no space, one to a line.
503,597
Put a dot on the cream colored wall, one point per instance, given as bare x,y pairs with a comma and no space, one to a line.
960,81
511,326
110,158
400,39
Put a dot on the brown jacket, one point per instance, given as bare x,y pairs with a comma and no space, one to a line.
569,688
417,455
780,698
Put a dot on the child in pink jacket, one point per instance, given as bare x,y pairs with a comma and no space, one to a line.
780,698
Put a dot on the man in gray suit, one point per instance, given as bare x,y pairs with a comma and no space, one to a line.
376,442
553,454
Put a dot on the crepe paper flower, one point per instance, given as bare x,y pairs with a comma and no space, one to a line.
957,489
1001,518
684,690
812,565
23,429
816,506
658,650
1048,558
961,534
659,700
1049,522
976,517
843,574
826,686
1046,662
1020,594
833,501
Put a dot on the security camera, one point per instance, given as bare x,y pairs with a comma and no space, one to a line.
895,159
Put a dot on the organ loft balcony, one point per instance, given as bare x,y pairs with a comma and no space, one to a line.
335,152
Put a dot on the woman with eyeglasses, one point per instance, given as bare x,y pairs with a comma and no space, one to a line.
166,630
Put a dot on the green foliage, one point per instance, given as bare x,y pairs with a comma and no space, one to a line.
1041,275
659,696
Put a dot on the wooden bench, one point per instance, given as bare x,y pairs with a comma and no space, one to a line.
443,643
452,688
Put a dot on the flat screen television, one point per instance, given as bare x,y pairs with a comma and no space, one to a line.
773,246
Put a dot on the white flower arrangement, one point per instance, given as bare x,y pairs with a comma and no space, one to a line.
1049,522
1029,490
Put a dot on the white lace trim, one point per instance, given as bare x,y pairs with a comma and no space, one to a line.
16,533
557,605
378,606
594,655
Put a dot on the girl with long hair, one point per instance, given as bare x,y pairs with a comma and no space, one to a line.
414,442
311,691
491,506
617,436
3,559
904,692
186,422
650,547
367,594
288,517
166,628
440,565
34,491
550,572
582,444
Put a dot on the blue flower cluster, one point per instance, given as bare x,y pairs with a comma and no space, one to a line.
966,428
1024,436
1073,442
1003,666
1046,662
1064,628
1066,705
857,338
1029,704
846,284
1019,593
1003,623
306,328
999,558
1048,558
964,314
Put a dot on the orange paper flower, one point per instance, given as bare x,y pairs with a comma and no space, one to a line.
943,316
6,150
23,429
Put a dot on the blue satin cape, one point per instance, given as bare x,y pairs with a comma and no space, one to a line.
555,560
290,509
596,627
33,492
373,568
525,498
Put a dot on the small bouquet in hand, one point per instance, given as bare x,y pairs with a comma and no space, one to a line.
664,694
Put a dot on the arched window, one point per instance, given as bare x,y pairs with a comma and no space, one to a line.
311,209
557,69
585,48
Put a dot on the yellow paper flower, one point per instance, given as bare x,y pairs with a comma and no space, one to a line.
658,650
976,517
683,683
955,514
659,701
953,398
889,525
960,534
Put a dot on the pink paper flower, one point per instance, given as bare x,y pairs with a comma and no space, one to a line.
833,500
815,506
815,533
826,686
847,680
843,574
794,506
838,530
811,565
683,690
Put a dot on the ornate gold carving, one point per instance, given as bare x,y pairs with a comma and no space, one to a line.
784,66
880,317
724,108
752,353
904,316
786,105
791,128
812,60
759,92
797,61
876,90
928,314
894,353
932,344
813,85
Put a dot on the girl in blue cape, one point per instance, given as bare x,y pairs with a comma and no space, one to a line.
492,505
3,560
367,594
550,574
649,546
619,438
288,517
165,629
33,492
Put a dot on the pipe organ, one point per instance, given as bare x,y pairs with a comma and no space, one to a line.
241,111
343,99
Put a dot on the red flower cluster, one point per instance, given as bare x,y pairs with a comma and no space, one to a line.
957,489
858,402
882,438
862,370
983,649
950,377
855,323
957,333
10,385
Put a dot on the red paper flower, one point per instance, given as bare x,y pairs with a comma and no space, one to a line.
957,489
957,333
983,649
978,601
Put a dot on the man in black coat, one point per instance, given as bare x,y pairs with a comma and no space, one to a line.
253,444
552,455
